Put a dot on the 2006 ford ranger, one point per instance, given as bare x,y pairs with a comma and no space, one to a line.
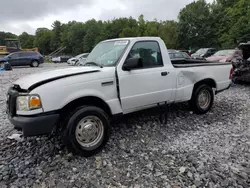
120,76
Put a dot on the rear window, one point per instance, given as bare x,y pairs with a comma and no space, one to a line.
178,55
171,55
185,55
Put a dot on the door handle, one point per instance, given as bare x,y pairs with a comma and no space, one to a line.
164,73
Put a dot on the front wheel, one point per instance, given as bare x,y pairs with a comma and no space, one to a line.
1,65
87,131
34,63
202,99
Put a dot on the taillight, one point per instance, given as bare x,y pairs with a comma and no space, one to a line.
231,73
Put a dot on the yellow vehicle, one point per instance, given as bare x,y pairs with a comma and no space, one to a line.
13,45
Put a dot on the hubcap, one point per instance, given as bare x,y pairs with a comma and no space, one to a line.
35,63
204,99
2,65
89,131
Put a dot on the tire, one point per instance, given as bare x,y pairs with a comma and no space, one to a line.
196,103
34,63
86,120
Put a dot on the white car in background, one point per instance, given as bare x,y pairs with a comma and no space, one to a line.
77,59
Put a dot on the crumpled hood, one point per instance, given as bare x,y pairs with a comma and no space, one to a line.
34,80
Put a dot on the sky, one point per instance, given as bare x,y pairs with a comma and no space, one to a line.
28,15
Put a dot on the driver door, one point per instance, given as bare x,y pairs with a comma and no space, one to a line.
146,86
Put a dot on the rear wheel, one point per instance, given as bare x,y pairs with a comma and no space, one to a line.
34,63
202,99
87,131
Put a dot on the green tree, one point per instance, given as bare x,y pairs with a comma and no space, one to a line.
151,29
56,35
235,26
92,37
195,26
43,40
73,36
26,40
168,31
4,35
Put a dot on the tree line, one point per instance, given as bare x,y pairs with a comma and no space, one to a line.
221,24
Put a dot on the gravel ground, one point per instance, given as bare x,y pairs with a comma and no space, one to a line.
211,150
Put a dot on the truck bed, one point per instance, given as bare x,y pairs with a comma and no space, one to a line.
182,63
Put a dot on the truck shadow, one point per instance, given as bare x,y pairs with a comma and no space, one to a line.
179,115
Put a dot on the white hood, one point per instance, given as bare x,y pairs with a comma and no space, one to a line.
27,81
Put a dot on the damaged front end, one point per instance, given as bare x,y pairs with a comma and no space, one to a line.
241,65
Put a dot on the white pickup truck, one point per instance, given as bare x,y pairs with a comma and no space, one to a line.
121,76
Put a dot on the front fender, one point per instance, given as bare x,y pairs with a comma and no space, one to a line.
81,94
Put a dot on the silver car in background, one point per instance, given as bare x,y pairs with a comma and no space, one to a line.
77,60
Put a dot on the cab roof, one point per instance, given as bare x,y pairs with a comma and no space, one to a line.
133,39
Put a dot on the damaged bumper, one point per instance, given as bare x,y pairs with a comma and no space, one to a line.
30,125
35,125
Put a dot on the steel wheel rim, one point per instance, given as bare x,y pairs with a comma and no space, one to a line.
35,63
204,99
89,131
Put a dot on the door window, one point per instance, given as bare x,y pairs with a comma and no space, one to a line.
15,55
149,52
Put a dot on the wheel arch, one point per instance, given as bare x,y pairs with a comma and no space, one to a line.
208,81
86,100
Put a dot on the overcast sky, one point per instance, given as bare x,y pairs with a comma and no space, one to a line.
27,15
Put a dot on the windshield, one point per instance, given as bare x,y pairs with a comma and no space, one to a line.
224,53
201,51
8,55
107,53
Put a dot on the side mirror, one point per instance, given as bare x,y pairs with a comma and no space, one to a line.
132,63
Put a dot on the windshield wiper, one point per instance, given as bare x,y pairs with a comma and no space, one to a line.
93,63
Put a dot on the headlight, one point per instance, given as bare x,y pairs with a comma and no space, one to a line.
29,102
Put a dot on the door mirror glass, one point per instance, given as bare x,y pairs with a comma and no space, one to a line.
132,63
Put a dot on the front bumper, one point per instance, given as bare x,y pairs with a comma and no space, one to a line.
35,125
31,125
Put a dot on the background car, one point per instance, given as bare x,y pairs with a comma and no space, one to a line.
61,59
225,55
186,51
78,59
203,53
178,55
33,59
